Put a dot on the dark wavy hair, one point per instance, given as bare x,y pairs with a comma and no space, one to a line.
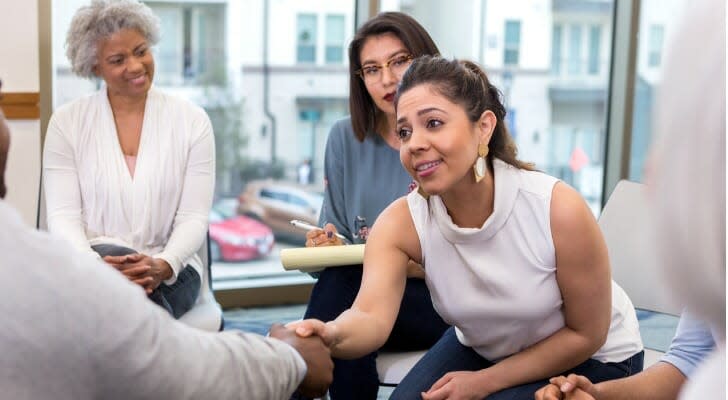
466,84
364,113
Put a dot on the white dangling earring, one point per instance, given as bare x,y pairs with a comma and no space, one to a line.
480,165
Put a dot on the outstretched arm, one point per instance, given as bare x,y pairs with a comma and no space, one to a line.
367,324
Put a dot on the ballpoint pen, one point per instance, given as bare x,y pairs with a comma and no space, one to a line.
309,227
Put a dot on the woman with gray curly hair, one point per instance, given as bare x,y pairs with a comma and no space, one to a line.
129,170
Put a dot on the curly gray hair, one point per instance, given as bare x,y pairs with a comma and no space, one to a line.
101,19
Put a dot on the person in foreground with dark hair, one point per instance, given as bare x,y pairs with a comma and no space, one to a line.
73,329
513,258
380,52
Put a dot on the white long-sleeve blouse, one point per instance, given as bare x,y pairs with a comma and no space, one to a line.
92,198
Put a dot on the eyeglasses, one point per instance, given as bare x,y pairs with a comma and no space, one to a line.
372,73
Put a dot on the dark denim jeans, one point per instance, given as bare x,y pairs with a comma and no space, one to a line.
418,327
177,298
449,355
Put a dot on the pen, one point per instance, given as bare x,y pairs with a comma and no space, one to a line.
309,227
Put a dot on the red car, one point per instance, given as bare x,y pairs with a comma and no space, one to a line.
238,238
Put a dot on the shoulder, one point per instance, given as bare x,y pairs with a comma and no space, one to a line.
569,214
66,113
535,183
395,225
342,131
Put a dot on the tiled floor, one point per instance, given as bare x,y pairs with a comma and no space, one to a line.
657,330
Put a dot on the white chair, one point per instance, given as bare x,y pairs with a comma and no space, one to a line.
206,314
625,223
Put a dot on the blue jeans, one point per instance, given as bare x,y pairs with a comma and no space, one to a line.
449,355
418,327
177,298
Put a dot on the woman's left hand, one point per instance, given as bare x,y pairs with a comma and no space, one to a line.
460,385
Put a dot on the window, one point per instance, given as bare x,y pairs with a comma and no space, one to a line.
595,37
306,38
557,110
656,37
334,39
657,18
574,50
556,50
192,47
512,43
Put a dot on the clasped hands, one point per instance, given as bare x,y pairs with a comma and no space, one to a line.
145,271
572,387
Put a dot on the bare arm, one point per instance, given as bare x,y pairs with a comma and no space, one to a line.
367,324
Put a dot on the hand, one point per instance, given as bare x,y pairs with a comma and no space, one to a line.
415,270
323,237
317,356
576,387
127,266
314,327
142,269
471,385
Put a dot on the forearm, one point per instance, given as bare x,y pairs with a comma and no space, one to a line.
552,356
358,333
661,381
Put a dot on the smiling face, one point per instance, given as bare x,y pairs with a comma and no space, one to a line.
379,50
439,143
125,63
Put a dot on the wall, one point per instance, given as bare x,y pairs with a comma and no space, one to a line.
19,71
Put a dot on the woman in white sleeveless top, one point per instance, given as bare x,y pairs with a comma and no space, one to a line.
514,258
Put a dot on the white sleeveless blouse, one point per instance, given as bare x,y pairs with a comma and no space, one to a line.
497,284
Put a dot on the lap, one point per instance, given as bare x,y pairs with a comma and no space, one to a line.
449,355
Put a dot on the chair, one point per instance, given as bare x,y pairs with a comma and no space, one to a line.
625,223
206,314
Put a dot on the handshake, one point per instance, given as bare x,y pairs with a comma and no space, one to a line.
313,341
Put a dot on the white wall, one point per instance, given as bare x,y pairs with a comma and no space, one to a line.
19,70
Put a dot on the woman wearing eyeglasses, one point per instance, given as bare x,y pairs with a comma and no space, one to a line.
366,141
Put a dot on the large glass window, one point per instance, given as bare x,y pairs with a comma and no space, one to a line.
657,20
556,92
192,48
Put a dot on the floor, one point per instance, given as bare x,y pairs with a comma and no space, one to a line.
657,329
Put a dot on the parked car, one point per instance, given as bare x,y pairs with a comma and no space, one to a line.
237,237
276,203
